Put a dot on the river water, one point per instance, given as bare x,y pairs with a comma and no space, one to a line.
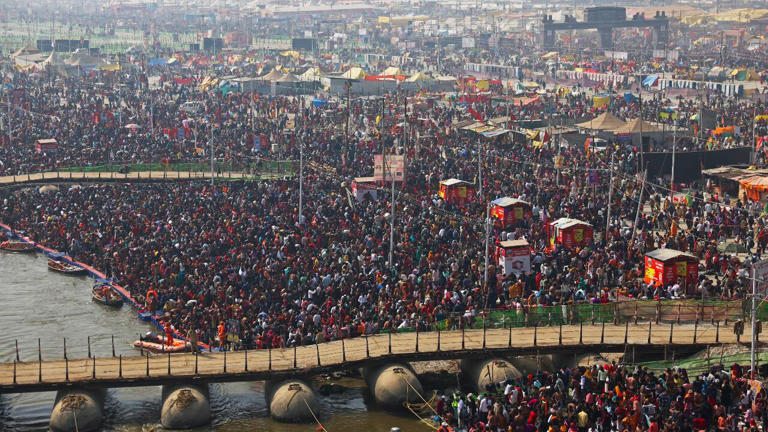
36,303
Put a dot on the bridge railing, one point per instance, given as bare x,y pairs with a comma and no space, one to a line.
666,311
285,167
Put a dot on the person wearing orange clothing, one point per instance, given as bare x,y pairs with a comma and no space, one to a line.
222,330
168,334
151,299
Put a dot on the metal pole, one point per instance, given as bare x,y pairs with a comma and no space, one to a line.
672,181
210,141
392,219
17,349
754,315
113,345
480,169
487,236
301,178
89,347
610,200
639,204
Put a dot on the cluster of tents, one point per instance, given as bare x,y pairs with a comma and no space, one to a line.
81,60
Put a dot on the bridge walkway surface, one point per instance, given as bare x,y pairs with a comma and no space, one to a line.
141,370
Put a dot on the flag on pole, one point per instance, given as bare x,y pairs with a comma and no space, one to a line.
475,114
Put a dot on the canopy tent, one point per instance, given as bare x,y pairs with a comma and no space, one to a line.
274,75
605,121
392,70
53,60
311,74
288,78
27,50
419,77
636,126
84,60
354,73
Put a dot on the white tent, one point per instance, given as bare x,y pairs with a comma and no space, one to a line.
354,73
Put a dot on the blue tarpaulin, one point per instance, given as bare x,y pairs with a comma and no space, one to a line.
629,97
158,62
319,102
650,80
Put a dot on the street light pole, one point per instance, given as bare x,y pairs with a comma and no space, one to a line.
610,200
210,141
754,306
301,179
487,241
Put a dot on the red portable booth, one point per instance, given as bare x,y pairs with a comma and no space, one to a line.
514,256
364,185
48,145
509,211
455,191
667,266
570,233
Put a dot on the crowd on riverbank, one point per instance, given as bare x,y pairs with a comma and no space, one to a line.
610,397
239,267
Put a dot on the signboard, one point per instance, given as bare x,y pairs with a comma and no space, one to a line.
515,260
616,55
391,165
559,161
593,177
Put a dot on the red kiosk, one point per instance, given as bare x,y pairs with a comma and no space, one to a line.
570,233
509,211
455,191
667,266
514,256
48,145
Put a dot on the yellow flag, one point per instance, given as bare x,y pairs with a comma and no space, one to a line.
378,119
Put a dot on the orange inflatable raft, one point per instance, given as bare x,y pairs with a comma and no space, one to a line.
155,344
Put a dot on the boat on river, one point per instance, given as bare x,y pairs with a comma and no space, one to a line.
62,267
158,345
17,246
107,295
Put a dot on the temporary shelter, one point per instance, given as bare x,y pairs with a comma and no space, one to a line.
514,256
354,73
392,70
667,266
570,233
274,75
605,121
454,191
636,126
509,211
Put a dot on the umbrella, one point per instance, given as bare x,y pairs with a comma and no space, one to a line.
732,247
48,188
132,126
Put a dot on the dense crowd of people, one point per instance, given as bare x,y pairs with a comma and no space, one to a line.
610,397
236,265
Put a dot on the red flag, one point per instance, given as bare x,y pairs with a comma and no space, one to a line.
475,114
512,117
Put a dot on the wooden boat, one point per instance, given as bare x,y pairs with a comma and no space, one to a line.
156,344
107,295
62,267
17,246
